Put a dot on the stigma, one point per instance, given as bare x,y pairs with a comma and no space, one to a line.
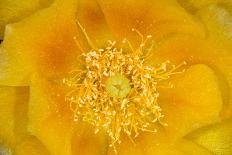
118,86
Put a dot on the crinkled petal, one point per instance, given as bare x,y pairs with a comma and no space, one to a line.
216,138
190,148
217,20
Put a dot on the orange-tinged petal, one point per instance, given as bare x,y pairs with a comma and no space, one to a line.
91,17
51,120
159,18
13,114
194,101
38,43
13,11
45,42
216,138
86,142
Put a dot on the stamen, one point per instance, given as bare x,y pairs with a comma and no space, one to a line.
86,35
140,50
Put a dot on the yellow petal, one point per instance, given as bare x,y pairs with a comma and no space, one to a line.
190,148
194,101
158,144
48,118
193,6
195,51
13,114
30,145
216,138
147,144
217,19
13,11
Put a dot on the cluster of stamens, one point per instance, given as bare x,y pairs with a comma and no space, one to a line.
117,92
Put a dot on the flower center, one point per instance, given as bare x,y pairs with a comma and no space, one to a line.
118,86
117,91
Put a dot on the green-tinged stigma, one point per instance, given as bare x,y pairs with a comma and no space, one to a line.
118,86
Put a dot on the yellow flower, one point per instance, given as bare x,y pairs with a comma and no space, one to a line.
41,99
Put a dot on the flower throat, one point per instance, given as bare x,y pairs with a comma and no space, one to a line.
116,91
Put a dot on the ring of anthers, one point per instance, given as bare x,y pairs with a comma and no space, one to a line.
116,91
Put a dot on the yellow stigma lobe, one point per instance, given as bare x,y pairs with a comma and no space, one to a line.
118,86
